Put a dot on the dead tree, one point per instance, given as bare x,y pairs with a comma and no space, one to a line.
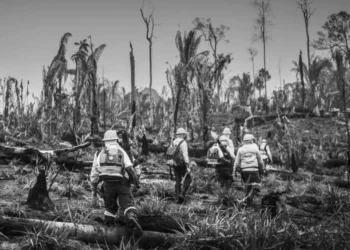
304,5
133,103
301,70
149,21
263,23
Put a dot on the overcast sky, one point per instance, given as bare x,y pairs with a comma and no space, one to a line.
30,32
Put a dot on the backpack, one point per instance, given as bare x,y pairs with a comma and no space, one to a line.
111,165
174,154
213,155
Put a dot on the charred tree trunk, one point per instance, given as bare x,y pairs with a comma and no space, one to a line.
177,105
133,103
94,108
301,70
145,146
38,197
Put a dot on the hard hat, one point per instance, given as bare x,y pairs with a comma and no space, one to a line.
110,135
223,138
226,131
263,141
180,131
248,137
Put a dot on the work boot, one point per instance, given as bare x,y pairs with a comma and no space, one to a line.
132,224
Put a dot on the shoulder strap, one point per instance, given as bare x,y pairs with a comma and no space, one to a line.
265,148
178,146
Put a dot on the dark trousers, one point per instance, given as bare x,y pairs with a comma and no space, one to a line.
180,172
224,176
251,179
115,191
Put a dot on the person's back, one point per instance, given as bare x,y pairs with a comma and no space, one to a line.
248,156
183,149
181,166
113,166
219,157
231,147
250,161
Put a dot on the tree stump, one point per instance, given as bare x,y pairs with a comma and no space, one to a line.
38,197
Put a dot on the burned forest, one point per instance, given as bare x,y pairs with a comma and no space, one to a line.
217,152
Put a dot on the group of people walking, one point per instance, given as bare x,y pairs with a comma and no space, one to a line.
250,161
116,169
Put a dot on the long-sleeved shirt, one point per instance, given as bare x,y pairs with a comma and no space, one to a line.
231,148
94,175
183,149
248,158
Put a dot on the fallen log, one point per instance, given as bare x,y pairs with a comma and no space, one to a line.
334,163
85,233
341,183
29,154
163,224
72,164
68,150
16,141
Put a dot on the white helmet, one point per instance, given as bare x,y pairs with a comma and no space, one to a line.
226,131
180,131
110,135
223,139
248,137
263,141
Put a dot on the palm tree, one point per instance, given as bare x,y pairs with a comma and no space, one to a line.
262,77
187,47
244,87
312,75
92,82
80,58
56,71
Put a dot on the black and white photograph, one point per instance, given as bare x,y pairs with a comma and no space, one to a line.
174,124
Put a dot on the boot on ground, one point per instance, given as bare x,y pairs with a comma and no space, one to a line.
132,224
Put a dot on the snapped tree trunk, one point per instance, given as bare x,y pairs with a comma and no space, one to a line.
150,84
38,197
264,43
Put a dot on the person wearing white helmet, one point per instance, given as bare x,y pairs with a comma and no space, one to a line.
265,153
219,156
113,166
181,165
250,162
230,147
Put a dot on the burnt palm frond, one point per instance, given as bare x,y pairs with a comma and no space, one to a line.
62,49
